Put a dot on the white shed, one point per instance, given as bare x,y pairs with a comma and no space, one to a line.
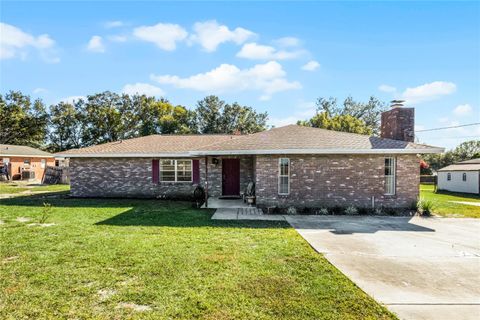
460,177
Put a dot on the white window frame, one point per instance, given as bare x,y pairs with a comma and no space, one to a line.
175,165
393,179
282,176
43,163
464,176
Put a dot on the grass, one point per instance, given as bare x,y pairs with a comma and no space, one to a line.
17,188
101,254
443,205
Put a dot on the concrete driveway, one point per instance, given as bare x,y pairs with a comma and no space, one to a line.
420,268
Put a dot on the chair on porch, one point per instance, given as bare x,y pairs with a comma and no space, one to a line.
249,191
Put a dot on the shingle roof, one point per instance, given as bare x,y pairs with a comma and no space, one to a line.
294,137
469,165
153,144
288,139
10,150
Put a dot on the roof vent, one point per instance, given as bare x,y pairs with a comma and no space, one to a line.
396,103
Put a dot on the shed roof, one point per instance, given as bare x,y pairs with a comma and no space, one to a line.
468,165
10,150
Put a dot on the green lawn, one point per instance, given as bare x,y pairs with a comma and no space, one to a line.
104,257
16,188
444,206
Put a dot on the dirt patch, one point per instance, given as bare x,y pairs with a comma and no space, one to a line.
105,294
43,225
2,222
10,259
23,219
133,306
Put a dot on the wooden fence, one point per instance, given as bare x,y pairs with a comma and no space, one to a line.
56,175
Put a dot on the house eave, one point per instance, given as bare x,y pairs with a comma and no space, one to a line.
250,152
319,151
25,156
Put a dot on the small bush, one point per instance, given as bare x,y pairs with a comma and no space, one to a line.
291,210
414,206
425,207
351,210
46,212
322,211
378,212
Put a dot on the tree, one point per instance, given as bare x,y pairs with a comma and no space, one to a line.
22,122
213,115
464,151
368,113
344,123
161,117
65,126
104,119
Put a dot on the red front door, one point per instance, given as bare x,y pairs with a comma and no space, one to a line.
231,177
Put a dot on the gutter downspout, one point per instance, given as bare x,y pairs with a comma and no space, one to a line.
206,181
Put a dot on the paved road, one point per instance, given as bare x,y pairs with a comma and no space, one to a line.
420,268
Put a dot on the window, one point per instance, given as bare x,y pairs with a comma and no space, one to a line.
464,176
390,175
284,176
449,176
26,162
43,163
176,170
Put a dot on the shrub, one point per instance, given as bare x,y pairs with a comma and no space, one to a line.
46,212
425,207
351,210
378,211
322,211
291,210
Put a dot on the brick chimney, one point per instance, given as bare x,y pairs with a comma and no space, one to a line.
398,122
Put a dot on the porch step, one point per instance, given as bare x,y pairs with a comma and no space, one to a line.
249,211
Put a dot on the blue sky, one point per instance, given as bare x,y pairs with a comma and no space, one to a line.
276,57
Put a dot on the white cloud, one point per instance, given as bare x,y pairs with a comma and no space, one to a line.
303,110
288,42
143,88
114,24
96,44
311,66
462,110
268,78
72,99
256,51
15,43
40,90
163,35
280,122
387,88
210,35
428,91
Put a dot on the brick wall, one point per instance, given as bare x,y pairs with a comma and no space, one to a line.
17,166
319,181
398,124
132,177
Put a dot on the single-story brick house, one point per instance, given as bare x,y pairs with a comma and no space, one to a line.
20,159
291,165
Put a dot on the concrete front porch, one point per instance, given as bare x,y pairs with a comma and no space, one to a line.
236,209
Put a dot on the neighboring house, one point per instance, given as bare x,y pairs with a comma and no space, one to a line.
20,159
291,165
460,177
